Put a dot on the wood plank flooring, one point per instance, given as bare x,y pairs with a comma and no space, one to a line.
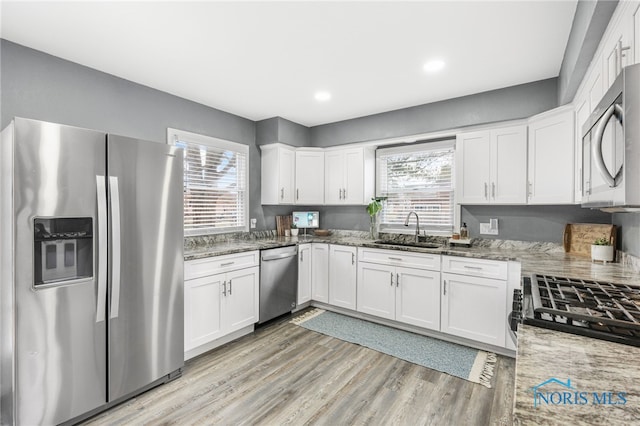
285,374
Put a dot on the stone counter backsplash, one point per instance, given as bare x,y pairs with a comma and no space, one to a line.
202,241
629,261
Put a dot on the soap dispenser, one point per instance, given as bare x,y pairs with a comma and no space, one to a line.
464,232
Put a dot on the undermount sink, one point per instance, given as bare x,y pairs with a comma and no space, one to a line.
408,244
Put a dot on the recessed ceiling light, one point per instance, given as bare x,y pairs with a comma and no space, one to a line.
322,96
434,66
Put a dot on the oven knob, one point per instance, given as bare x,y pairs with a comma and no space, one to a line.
516,304
516,318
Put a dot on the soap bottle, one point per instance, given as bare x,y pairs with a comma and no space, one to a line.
464,232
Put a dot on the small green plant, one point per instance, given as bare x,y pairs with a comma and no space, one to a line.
602,241
293,226
374,207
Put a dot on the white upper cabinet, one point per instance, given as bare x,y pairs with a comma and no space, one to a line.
277,174
315,176
551,157
509,166
473,151
617,46
309,176
349,175
492,166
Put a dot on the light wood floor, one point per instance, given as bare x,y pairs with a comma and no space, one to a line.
286,374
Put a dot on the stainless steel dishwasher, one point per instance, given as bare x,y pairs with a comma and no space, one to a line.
278,282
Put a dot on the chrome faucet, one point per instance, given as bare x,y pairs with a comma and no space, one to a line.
406,223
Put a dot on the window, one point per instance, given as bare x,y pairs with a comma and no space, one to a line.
417,178
216,180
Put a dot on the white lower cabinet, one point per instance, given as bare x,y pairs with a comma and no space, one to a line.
342,276
406,294
202,323
218,299
304,273
418,298
239,305
474,307
320,272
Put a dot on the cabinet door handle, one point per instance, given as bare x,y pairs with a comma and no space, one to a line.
301,256
344,193
353,259
493,190
486,191
394,258
473,267
397,280
580,180
227,264
391,273
224,288
445,287
297,194
530,190
619,55
229,287
282,193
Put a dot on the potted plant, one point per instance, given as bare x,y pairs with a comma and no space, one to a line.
374,208
602,250
294,230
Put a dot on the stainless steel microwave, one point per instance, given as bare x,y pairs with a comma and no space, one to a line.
611,147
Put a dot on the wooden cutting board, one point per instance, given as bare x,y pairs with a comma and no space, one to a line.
578,237
282,223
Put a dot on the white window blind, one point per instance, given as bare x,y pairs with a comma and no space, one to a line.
417,178
216,179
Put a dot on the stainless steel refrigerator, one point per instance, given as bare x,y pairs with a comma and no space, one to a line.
91,295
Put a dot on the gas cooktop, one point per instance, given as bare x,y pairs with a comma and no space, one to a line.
602,310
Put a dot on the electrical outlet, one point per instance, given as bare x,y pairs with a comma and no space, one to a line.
485,228
254,222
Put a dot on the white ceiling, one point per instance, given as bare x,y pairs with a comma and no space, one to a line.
265,59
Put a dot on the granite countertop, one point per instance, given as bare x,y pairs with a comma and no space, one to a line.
575,367
540,258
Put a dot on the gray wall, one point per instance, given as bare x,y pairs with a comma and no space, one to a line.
529,223
589,24
40,86
278,129
514,102
629,224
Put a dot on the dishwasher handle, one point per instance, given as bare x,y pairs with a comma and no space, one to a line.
279,256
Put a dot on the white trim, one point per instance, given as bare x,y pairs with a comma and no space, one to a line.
418,147
423,146
174,135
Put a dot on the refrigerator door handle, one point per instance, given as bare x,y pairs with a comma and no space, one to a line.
115,247
101,191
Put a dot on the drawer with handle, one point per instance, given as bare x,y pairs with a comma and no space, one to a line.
475,267
217,264
400,258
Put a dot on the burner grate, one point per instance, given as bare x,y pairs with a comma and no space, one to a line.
605,307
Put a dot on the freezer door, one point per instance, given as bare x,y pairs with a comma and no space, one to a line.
59,328
146,309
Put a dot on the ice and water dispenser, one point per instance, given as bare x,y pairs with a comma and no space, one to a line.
63,250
